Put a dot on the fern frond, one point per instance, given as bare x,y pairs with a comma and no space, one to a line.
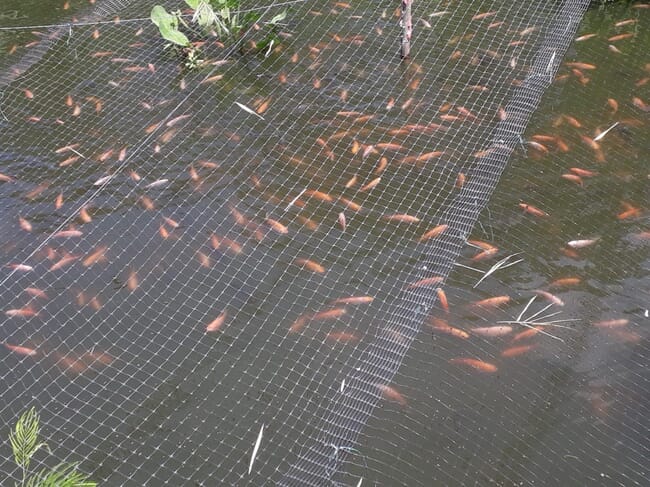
63,475
24,438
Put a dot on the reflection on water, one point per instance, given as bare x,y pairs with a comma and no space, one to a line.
176,266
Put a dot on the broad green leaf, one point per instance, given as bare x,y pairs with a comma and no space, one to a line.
193,3
168,26
204,14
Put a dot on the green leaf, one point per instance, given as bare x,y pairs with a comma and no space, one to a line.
168,26
193,3
24,439
63,475
278,18
204,14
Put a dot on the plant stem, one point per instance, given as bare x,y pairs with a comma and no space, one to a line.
407,29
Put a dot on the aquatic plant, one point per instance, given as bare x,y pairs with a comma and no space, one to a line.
220,18
25,443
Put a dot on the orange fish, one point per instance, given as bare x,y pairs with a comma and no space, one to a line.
584,173
330,314
483,245
132,281
579,65
401,217
95,303
591,143
492,302
613,104
204,260
35,292
105,155
229,245
64,261
390,146
351,182
492,331
485,254
422,157
574,178
574,122
434,232
484,15
629,212
217,323
354,300
20,267
69,161
310,265
532,210
615,323
300,323
319,195
620,37
70,364
585,37
24,224
100,357
427,281
24,312
172,223
68,234
516,351
460,180
341,336
29,352
441,326
370,185
640,104
443,299
392,394
309,224
342,221
381,165
164,233
552,298
479,365
98,255
522,335
566,281
277,226
84,216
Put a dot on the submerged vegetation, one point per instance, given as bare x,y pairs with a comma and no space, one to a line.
25,443
221,19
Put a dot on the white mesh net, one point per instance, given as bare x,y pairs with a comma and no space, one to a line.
239,274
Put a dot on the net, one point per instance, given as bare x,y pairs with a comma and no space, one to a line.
242,274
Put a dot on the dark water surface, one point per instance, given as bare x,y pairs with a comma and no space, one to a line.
126,378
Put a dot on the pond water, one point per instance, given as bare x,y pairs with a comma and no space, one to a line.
185,255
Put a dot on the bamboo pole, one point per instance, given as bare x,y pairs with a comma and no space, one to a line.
407,29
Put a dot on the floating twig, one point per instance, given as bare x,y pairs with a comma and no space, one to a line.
255,449
536,321
502,264
248,110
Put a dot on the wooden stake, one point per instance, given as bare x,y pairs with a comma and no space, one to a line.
407,29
